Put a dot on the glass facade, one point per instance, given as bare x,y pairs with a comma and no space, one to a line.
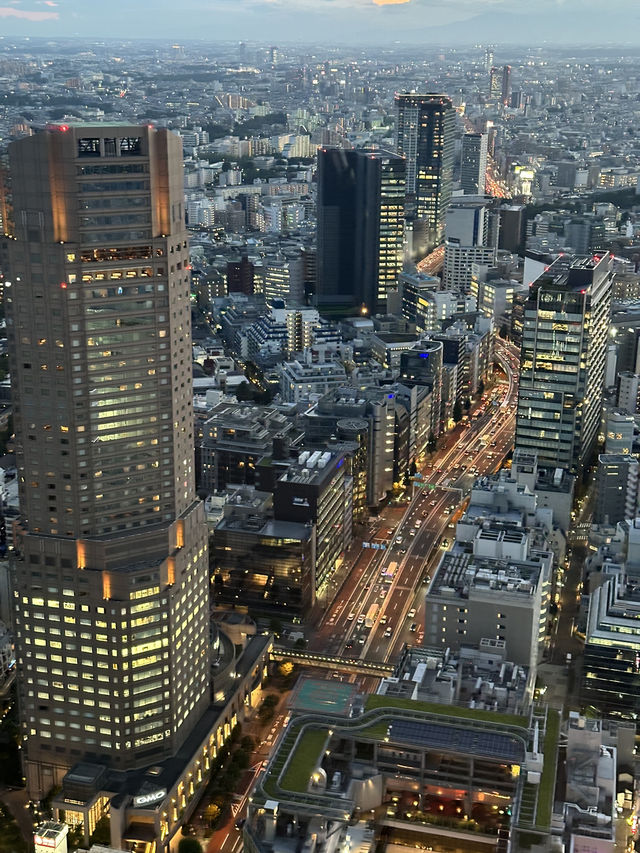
564,337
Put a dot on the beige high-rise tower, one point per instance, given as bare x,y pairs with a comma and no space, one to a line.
111,578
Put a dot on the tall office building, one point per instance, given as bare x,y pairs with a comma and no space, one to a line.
473,165
495,84
360,228
470,238
562,367
111,568
505,92
424,136
488,59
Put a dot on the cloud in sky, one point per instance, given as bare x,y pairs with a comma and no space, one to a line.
28,14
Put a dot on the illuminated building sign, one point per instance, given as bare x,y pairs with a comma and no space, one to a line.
148,799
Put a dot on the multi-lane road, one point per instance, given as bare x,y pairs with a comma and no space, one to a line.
415,542
413,537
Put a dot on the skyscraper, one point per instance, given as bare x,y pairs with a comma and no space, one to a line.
488,59
471,238
564,342
424,136
505,94
495,84
360,227
110,574
473,165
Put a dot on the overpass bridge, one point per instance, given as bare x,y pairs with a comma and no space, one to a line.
375,668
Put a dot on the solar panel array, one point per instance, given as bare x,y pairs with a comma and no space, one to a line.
502,747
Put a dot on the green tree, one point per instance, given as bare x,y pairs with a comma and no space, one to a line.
102,832
275,626
75,838
212,813
457,411
189,845
243,392
241,759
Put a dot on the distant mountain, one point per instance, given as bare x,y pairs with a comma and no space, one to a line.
563,24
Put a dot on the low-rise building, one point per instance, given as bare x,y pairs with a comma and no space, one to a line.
317,491
496,589
479,677
417,773
236,436
612,646
258,562
304,380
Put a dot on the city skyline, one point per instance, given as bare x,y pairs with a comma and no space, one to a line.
319,428
360,21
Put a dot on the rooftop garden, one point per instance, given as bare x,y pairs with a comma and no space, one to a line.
304,760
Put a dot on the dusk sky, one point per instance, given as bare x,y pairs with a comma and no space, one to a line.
345,21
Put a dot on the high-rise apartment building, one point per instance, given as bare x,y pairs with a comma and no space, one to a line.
424,136
473,164
111,565
564,343
360,228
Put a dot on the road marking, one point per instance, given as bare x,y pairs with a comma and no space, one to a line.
225,840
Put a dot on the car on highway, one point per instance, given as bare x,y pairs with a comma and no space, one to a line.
411,613
361,619
433,502
383,592
388,632
383,620
445,543
414,627
361,640
351,617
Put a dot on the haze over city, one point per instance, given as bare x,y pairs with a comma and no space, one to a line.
427,22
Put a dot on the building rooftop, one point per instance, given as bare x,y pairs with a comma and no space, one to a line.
460,574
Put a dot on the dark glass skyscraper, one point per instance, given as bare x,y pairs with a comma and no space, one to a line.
473,163
424,136
360,228
506,85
